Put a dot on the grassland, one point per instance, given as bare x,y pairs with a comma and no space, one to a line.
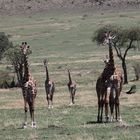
65,39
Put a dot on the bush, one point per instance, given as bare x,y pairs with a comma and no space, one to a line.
4,44
137,70
6,80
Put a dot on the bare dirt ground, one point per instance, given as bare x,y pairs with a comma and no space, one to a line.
14,7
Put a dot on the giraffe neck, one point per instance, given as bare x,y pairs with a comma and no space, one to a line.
26,69
47,74
109,69
111,56
69,76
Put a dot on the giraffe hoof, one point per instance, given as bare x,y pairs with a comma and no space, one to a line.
107,118
33,125
24,125
119,120
70,104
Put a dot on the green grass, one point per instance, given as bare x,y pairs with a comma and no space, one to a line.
65,39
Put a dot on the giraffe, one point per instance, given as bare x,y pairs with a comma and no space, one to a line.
114,89
103,87
115,84
71,87
28,85
49,87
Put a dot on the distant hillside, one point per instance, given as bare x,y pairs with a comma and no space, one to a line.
26,6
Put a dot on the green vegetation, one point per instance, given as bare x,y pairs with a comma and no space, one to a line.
65,39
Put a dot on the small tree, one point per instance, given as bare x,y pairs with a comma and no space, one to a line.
16,58
124,41
4,44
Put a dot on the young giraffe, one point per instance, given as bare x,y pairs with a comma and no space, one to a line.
72,88
115,88
49,87
28,87
109,85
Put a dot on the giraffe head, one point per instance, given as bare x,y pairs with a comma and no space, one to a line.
45,62
24,47
108,37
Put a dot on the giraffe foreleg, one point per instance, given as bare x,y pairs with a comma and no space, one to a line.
72,98
25,116
73,95
33,125
48,99
117,107
51,99
70,91
111,104
107,95
101,107
106,111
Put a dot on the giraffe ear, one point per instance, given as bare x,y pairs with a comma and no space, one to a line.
28,47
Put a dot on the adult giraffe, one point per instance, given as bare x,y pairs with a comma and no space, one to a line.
49,86
28,85
72,88
108,82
